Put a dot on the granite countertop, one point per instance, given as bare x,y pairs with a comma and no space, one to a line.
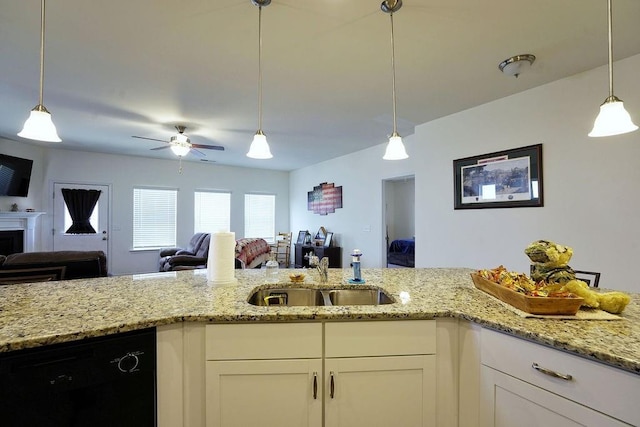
38,314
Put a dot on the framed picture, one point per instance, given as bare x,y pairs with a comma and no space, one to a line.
504,179
590,277
327,240
302,237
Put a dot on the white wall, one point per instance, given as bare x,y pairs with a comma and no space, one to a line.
590,185
123,173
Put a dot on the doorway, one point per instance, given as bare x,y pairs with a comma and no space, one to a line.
398,197
98,241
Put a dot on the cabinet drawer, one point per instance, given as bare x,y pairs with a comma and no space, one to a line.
595,385
263,341
380,338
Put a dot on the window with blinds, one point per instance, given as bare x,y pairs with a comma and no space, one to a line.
154,218
212,212
260,216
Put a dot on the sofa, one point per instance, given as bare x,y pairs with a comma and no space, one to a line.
249,253
52,265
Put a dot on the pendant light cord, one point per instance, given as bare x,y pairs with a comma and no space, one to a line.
259,69
41,52
393,68
609,12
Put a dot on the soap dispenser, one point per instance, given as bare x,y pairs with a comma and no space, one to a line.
355,262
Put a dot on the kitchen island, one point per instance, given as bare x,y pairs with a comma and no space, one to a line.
38,314
440,330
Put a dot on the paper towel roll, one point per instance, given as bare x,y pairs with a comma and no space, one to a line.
221,261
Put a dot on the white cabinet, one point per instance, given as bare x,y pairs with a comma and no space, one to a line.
526,384
375,374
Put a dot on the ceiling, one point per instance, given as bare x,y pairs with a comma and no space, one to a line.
119,68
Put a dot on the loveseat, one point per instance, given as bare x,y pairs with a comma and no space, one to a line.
70,264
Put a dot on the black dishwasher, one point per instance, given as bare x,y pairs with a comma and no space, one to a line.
104,381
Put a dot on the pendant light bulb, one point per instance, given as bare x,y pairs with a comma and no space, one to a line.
613,119
180,149
395,148
39,125
259,148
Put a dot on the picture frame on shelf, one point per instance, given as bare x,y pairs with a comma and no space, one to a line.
503,179
302,237
328,240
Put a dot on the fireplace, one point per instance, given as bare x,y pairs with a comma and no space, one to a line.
11,242
23,223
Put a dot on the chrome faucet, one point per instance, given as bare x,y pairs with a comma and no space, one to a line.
322,265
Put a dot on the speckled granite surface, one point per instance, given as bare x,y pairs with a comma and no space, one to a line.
33,315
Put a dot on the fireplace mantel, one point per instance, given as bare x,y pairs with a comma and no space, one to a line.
25,221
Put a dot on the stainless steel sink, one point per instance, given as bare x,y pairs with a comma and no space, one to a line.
358,297
296,296
287,296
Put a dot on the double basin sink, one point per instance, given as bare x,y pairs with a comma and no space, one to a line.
297,296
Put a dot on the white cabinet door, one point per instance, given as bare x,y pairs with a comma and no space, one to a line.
380,391
265,393
507,402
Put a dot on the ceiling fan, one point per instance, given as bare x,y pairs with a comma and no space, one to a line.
181,145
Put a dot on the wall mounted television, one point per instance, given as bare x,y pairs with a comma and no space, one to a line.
15,174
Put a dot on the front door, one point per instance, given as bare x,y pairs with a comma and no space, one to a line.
62,221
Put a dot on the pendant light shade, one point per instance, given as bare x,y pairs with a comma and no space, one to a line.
613,119
39,125
259,148
395,148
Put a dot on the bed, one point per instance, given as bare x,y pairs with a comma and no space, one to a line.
402,252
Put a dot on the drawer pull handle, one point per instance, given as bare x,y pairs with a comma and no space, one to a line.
551,373
315,385
332,387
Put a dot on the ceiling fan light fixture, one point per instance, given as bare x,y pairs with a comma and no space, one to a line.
180,149
259,148
395,148
39,125
613,119
515,65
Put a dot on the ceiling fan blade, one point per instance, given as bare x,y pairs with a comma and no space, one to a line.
208,147
197,152
150,139
161,148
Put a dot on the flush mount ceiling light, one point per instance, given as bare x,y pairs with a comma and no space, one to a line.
395,148
613,119
39,125
516,64
259,148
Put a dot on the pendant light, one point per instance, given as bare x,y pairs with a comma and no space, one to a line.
613,119
39,125
395,149
259,148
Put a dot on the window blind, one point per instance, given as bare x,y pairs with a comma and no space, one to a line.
154,218
212,212
259,216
